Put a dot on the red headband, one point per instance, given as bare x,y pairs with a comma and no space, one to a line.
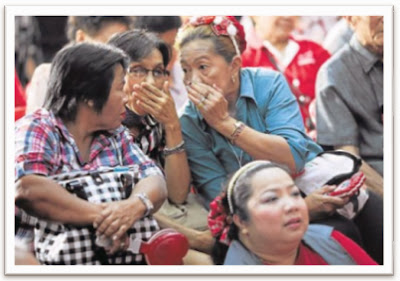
223,25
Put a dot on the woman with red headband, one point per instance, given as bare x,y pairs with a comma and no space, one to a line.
236,114
262,218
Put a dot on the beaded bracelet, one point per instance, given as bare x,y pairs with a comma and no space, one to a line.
239,126
177,149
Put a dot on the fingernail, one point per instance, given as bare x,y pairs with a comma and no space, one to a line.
115,237
95,225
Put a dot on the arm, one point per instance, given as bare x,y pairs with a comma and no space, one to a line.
161,106
44,198
283,141
374,180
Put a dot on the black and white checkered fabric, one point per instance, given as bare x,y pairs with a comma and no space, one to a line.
68,244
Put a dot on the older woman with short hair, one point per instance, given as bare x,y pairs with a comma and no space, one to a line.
80,130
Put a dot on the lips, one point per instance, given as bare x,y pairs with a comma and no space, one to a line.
293,223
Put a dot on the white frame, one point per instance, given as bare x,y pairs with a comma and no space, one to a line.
13,11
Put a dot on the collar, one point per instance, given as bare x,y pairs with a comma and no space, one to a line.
286,56
59,124
367,58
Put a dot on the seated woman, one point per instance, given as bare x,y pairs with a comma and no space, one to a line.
80,129
237,115
261,218
154,125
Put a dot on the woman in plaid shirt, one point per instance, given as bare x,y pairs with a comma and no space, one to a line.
84,107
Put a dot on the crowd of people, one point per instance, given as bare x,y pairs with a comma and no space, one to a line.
201,125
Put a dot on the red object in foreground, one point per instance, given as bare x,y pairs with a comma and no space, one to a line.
166,247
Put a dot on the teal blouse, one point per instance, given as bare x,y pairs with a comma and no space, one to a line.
265,104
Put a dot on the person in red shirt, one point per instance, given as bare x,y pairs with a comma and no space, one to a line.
298,59
20,100
262,219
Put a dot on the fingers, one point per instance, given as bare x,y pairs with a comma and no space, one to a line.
100,219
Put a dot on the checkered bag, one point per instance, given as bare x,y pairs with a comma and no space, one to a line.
57,243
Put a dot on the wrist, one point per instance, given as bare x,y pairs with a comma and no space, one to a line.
143,203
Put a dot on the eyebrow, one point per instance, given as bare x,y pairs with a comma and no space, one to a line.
291,186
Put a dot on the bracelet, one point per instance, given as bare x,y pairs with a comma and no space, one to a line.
239,126
146,201
177,149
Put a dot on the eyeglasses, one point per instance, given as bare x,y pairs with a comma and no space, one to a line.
139,72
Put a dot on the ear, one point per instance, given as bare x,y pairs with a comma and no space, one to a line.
242,225
80,35
236,64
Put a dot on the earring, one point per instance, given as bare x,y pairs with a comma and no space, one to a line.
90,103
245,231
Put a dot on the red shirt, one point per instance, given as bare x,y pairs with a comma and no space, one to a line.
300,73
309,257
20,100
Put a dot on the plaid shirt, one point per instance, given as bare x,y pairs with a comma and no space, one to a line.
44,146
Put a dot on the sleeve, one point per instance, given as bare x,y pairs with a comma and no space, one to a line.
36,89
353,249
283,118
132,154
336,124
208,174
34,148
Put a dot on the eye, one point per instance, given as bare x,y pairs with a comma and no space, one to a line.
184,70
268,199
203,67
296,193
158,72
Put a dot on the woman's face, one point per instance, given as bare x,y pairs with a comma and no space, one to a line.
113,111
277,211
150,69
200,63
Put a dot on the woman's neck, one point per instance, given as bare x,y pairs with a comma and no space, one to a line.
273,253
232,97
279,43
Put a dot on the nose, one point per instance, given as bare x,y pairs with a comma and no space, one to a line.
290,204
150,78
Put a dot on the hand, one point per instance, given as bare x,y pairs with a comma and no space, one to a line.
320,204
158,103
118,217
210,101
119,245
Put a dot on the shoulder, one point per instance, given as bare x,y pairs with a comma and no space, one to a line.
40,119
259,75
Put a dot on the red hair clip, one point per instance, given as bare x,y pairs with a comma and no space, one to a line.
224,25
219,221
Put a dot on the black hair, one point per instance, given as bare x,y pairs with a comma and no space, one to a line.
239,198
158,24
81,72
92,25
138,44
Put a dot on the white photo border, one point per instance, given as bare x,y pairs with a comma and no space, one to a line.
12,11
